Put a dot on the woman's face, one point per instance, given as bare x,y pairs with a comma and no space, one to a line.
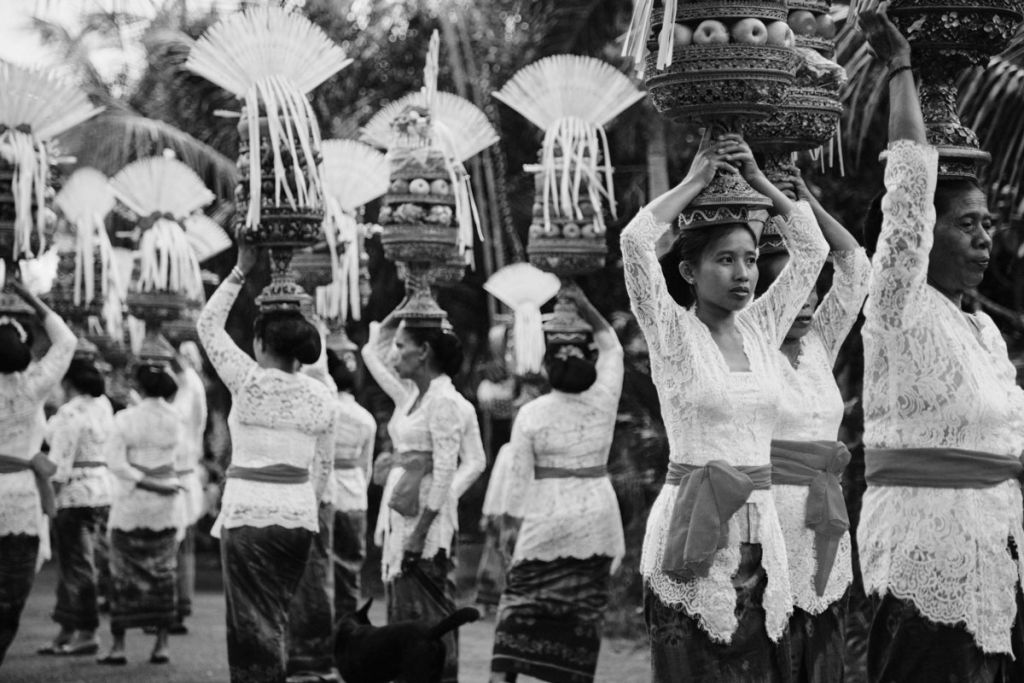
963,240
802,324
408,357
727,272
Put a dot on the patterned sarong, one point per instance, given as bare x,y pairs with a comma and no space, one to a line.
143,574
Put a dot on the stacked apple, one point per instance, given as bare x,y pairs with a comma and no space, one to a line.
748,31
420,191
813,26
586,225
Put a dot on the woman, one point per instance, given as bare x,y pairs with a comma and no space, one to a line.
717,593
807,460
147,513
80,436
432,427
24,472
353,462
941,527
552,609
282,431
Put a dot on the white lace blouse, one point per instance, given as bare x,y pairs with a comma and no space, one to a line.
712,413
936,377
568,517
190,402
276,418
147,435
353,440
811,409
82,431
445,425
23,426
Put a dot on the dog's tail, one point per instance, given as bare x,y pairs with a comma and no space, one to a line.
454,621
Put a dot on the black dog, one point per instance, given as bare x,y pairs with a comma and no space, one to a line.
409,651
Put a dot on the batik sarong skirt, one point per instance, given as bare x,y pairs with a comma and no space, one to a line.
18,553
76,534
409,600
349,554
310,617
262,568
904,646
818,644
143,575
550,619
681,651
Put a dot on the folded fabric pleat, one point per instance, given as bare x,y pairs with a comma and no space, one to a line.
405,498
942,468
271,474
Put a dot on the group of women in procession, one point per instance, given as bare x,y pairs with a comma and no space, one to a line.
747,556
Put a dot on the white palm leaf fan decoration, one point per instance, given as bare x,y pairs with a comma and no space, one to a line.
271,59
354,174
84,201
163,193
572,99
206,236
525,288
456,126
35,107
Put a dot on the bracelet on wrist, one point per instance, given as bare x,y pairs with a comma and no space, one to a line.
237,272
893,72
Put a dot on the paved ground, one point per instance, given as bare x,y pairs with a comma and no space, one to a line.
201,655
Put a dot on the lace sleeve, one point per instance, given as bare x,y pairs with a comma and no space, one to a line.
231,363
445,426
366,454
117,456
645,283
837,313
65,430
776,309
47,372
323,460
472,462
609,366
374,352
900,264
521,461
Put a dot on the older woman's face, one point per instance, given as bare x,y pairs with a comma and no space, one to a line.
963,241
407,356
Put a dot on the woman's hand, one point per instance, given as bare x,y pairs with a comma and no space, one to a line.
885,39
414,543
706,163
738,153
16,284
794,187
248,254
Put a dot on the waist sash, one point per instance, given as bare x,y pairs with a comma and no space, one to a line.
88,464
42,469
941,468
595,472
817,465
347,464
405,497
271,474
161,472
699,524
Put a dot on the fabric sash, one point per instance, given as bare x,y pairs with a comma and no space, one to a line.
941,468
42,469
405,497
161,472
595,472
88,464
818,466
182,473
699,524
271,474
347,464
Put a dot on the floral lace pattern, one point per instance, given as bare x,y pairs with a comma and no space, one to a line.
354,437
811,409
81,431
568,517
712,413
190,402
23,425
444,424
936,377
276,418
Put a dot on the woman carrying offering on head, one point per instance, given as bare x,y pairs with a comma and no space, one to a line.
570,538
25,491
717,591
942,524
432,429
282,432
807,460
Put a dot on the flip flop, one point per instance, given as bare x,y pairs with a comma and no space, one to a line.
81,649
52,649
113,660
159,659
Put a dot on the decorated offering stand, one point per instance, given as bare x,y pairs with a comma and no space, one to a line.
948,38
271,59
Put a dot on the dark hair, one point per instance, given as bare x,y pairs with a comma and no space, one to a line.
289,335
84,376
15,355
570,374
155,381
446,347
947,191
765,278
690,246
344,379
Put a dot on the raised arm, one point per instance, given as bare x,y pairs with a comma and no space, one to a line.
838,311
42,375
375,352
231,363
366,451
906,121
609,364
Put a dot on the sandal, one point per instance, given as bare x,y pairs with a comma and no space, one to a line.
52,649
83,648
113,660
159,658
